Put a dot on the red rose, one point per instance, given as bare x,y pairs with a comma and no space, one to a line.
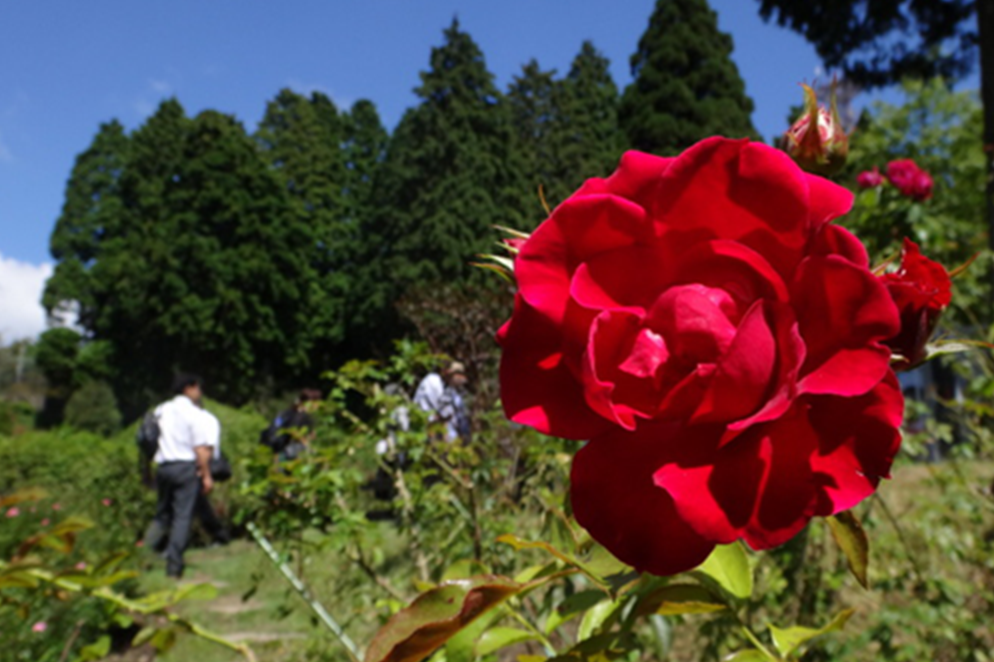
922,289
870,178
717,340
909,179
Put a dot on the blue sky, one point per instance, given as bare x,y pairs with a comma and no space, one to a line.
65,67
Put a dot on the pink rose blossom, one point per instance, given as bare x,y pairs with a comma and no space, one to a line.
56,506
46,522
13,512
107,502
81,565
40,626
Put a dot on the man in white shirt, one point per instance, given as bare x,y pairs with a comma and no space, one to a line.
183,466
203,509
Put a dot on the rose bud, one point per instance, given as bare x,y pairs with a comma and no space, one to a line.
870,178
909,179
921,289
817,141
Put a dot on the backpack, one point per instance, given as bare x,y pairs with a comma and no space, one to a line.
272,437
147,436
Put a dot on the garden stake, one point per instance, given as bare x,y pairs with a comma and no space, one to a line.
305,593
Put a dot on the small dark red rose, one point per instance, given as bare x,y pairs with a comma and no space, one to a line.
909,179
717,340
870,178
922,290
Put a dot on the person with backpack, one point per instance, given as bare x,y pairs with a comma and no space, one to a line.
291,432
182,459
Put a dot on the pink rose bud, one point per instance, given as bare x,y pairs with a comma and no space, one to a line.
870,178
817,141
922,290
46,522
910,180
106,502
81,565
40,626
13,512
56,506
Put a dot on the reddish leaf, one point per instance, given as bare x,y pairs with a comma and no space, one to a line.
416,631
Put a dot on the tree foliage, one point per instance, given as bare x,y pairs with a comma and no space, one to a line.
686,86
450,174
878,42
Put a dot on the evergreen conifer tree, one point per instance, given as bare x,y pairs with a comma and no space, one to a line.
91,211
594,142
686,86
449,175
535,102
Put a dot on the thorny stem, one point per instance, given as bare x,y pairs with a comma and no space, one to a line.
71,641
900,534
408,512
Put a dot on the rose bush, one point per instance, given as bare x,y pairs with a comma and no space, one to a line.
717,340
922,289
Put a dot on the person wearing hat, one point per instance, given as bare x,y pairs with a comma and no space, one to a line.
438,395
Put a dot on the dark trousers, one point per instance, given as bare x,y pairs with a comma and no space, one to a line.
178,488
204,511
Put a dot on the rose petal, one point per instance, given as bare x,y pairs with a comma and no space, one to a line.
612,336
844,313
638,524
578,229
740,191
537,386
858,439
740,382
836,240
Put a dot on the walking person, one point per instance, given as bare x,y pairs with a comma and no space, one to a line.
438,395
182,468
203,509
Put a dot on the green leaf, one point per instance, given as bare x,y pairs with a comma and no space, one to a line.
573,606
435,616
787,640
462,646
595,618
496,638
602,648
728,565
97,650
196,592
851,539
679,599
750,655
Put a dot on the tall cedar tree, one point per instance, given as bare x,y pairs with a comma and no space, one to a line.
364,146
301,139
91,213
686,86
535,100
449,175
242,299
589,111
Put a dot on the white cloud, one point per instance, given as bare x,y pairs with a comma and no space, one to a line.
21,285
